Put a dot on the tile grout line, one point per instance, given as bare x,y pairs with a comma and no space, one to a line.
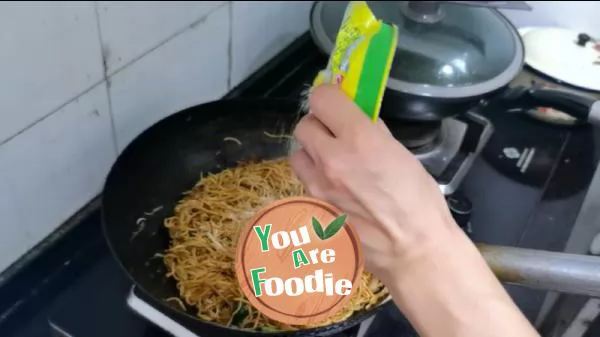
190,26
93,86
41,119
103,56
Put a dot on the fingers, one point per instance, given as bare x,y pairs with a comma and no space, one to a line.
305,169
336,111
313,136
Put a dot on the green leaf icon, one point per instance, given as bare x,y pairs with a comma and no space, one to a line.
318,229
335,226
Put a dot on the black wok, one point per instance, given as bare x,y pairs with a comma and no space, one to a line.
166,160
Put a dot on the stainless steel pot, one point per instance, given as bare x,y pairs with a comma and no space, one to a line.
451,57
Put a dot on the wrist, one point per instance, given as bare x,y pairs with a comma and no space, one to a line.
418,250
444,278
451,281
422,255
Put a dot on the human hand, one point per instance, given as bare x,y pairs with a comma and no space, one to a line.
393,203
434,273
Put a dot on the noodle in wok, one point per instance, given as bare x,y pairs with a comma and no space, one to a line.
204,231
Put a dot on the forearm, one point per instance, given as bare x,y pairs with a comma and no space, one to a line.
463,297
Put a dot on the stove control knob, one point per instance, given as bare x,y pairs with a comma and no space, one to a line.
461,209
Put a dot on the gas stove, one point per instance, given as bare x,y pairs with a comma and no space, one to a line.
449,150
139,303
540,173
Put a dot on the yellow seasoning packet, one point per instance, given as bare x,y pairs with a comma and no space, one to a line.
362,57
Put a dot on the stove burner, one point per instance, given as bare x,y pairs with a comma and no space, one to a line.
417,137
446,149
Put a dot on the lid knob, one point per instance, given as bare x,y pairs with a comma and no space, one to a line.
583,39
423,11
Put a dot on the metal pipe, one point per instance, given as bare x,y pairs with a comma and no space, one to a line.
552,271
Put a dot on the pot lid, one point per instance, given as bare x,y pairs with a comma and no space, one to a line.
566,55
444,49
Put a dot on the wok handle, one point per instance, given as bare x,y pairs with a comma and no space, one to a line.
584,108
551,271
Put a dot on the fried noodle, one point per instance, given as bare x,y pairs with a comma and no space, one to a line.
204,231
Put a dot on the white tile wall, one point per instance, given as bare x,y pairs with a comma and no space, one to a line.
190,69
131,28
53,169
61,124
49,52
277,23
9,227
